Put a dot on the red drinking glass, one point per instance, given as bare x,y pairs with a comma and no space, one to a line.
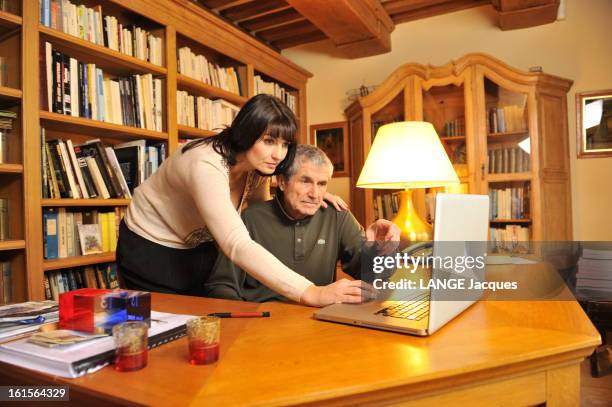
131,340
203,334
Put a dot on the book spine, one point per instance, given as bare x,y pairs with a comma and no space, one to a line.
60,173
77,169
68,168
57,83
61,235
66,101
87,178
94,150
97,177
70,251
44,165
54,191
114,188
7,283
50,240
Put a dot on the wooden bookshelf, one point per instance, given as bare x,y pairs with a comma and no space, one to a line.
10,93
172,21
192,132
508,136
202,89
510,221
60,122
9,21
53,203
453,138
11,168
107,59
509,177
79,261
12,244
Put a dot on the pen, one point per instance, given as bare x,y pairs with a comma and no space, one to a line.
240,314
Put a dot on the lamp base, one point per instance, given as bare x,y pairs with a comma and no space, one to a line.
412,227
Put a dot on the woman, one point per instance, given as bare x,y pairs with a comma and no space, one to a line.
190,207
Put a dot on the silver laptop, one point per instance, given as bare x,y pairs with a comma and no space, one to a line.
461,229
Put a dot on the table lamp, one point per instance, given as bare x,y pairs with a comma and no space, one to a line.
408,155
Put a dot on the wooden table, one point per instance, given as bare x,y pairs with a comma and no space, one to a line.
495,353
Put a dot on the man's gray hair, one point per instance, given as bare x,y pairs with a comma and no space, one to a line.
306,153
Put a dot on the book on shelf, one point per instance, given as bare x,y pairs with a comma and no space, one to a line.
3,146
511,238
62,234
454,128
504,160
102,275
4,218
4,79
83,90
6,119
95,150
6,282
89,24
97,178
90,238
116,167
138,161
274,89
202,113
88,170
198,67
509,203
87,357
386,205
507,119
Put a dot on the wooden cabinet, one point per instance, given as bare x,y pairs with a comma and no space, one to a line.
178,23
505,131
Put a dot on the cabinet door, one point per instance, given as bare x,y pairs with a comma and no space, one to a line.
445,103
505,158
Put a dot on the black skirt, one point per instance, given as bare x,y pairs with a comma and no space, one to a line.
148,266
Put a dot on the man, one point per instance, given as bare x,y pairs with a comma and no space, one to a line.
294,227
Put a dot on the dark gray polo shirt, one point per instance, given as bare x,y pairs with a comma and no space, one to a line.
310,247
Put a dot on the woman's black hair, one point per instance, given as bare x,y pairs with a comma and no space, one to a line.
261,114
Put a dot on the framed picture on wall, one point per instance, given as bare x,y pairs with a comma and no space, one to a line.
332,138
594,123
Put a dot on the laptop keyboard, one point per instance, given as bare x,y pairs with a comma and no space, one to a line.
413,309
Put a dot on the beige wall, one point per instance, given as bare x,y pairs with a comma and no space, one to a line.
578,48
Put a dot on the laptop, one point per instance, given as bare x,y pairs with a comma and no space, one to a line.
461,228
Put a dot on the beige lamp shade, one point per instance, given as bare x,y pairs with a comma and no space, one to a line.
407,155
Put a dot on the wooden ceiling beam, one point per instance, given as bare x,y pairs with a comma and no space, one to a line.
273,20
288,31
402,6
253,9
433,9
514,14
303,39
359,28
217,5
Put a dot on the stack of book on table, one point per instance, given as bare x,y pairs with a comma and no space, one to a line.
18,319
595,270
81,358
